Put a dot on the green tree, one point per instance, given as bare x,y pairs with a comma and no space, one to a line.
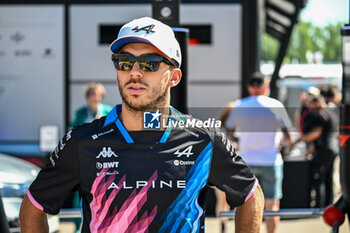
269,47
332,48
306,37
300,43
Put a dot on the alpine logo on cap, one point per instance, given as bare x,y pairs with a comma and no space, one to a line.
147,29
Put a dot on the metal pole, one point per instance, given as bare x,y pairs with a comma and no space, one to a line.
250,43
168,12
70,213
179,93
284,213
335,228
281,53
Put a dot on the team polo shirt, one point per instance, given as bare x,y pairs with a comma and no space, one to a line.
141,181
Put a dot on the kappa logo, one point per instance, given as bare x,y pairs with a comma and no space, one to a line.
187,152
147,29
106,153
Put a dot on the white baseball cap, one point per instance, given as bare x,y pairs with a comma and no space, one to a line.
313,91
150,31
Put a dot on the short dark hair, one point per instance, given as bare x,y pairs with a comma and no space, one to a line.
319,98
257,80
329,92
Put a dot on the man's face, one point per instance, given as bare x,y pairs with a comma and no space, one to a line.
94,98
259,90
142,90
314,105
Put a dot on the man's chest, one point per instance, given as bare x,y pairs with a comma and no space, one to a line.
161,170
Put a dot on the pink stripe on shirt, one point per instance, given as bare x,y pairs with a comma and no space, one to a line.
34,202
252,191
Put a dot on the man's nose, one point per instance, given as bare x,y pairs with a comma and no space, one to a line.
136,71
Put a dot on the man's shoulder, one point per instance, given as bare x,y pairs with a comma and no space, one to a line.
202,127
315,117
257,100
90,128
330,114
270,101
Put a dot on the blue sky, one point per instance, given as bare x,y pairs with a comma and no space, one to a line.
323,12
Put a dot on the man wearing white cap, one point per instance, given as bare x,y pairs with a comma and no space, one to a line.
143,167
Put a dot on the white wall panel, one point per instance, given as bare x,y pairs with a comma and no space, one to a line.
31,70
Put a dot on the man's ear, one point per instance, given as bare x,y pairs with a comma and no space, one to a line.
175,77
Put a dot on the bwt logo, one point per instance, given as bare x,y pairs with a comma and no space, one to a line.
151,120
106,153
107,165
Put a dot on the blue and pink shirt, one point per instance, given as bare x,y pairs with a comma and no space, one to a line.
141,181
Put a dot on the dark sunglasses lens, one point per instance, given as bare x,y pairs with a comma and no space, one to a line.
123,66
149,62
123,62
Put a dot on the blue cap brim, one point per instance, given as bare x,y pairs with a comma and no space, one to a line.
118,44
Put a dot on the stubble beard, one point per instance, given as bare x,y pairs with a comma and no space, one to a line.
158,95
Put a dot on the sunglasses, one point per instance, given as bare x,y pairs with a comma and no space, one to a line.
147,62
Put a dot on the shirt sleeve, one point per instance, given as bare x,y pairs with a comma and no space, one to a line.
58,178
283,118
229,173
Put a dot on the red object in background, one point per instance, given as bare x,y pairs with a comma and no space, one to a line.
33,160
343,139
332,214
193,41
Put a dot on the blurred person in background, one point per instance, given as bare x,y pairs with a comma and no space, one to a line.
332,98
94,109
300,114
94,94
320,128
304,149
257,119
